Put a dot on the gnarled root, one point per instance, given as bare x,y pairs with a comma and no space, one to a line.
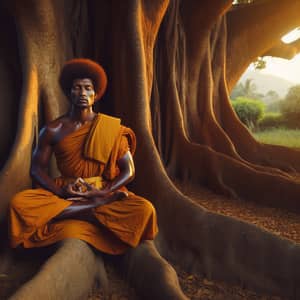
69,274
150,274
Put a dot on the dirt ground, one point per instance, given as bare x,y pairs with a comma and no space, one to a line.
194,286
277,221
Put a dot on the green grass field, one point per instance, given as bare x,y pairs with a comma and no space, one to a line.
284,137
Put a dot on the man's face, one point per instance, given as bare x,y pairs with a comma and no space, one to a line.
82,92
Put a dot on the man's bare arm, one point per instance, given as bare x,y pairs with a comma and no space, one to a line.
40,161
127,173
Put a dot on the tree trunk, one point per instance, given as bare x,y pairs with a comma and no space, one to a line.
170,65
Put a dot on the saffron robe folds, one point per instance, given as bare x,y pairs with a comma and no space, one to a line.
121,224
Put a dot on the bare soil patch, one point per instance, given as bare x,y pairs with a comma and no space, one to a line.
278,221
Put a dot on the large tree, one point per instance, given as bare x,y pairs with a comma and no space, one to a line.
170,66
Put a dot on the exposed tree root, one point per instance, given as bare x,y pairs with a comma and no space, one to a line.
232,177
69,274
150,274
221,247
231,250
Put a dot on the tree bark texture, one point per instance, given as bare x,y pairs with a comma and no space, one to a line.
170,64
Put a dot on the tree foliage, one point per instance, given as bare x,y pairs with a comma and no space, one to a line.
249,111
259,63
290,106
246,89
271,120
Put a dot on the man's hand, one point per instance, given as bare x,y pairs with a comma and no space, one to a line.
70,190
83,191
79,188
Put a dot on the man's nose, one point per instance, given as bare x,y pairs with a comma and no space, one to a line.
82,91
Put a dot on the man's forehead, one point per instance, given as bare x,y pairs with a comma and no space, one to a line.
84,81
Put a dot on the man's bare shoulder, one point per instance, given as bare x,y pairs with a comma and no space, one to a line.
54,128
57,123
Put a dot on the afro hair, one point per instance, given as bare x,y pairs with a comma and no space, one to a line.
83,68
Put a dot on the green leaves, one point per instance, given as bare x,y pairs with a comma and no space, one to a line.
248,110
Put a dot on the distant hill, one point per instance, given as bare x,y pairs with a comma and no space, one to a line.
265,82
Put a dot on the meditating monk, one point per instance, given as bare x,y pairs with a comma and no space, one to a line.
89,201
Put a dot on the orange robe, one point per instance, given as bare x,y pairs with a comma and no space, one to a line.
122,224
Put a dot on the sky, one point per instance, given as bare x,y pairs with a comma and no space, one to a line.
284,68
287,69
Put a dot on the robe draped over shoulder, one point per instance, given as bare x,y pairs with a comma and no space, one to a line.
121,224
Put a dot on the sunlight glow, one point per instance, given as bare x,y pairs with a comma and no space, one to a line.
292,36
288,69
